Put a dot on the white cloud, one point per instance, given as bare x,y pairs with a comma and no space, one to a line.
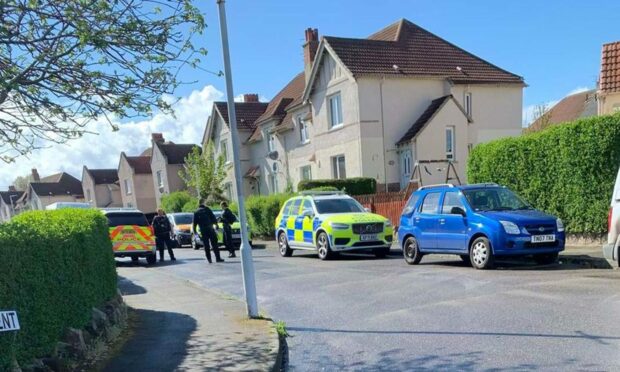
103,150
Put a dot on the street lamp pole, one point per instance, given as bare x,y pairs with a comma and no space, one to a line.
247,265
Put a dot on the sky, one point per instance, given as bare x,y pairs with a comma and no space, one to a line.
554,45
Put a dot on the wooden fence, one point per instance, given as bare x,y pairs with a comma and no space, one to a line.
389,205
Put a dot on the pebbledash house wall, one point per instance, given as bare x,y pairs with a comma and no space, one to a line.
609,103
142,195
171,180
102,196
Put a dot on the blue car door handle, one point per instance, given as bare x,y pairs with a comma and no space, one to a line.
442,221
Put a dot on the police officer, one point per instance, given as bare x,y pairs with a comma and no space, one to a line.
162,230
205,219
228,218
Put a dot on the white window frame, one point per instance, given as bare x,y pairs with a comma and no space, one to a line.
228,191
160,179
128,190
450,153
335,121
468,103
224,150
302,174
303,130
336,169
271,142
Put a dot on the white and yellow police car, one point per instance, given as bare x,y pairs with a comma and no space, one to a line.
328,223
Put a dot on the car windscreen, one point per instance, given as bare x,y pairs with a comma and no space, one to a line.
183,219
123,219
338,206
217,213
494,199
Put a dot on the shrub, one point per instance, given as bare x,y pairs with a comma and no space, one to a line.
190,206
56,266
262,211
567,170
324,188
353,186
175,201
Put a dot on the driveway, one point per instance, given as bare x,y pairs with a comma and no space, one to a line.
362,313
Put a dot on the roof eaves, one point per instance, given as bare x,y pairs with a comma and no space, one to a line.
324,45
445,98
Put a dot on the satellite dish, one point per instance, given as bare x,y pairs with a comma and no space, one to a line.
273,155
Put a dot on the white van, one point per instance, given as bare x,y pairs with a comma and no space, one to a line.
610,250
64,205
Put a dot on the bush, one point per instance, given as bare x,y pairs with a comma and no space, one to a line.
262,212
352,186
56,266
324,188
190,206
175,201
567,170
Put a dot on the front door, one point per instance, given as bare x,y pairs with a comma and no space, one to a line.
425,221
452,227
405,167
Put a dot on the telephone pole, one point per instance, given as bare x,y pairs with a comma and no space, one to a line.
247,265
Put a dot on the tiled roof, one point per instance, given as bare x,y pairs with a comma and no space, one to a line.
289,96
247,113
176,154
66,185
427,115
140,164
610,68
575,106
6,196
103,176
53,178
404,48
256,136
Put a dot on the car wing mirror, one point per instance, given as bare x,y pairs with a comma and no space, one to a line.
458,210
367,210
306,214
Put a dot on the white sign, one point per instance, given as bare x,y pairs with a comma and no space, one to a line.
8,321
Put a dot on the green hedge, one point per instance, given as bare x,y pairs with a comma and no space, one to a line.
353,186
55,267
567,170
175,201
262,211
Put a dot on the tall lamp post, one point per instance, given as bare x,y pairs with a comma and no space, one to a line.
247,265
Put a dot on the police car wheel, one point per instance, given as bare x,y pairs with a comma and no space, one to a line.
151,259
322,246
283,247
411,251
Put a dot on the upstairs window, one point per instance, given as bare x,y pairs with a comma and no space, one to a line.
335,110
450,143
468,104
160,180
303,130
271,142
127,187
224,150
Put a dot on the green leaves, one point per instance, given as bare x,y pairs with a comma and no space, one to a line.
567,170
205,172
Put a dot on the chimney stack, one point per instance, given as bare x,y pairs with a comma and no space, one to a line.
12,188
157,137
250,97
35,175
310,47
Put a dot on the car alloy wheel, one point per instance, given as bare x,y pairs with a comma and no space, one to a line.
322,246
285,250
411,251
481,254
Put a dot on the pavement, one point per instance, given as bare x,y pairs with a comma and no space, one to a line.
181,326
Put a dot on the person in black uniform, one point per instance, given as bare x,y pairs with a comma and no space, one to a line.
205,219
162,230
228,218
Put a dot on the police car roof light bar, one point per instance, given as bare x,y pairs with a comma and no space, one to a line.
310,192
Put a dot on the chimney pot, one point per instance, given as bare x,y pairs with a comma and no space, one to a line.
157,137
35,175
250,97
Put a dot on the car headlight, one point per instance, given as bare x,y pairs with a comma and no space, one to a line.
339,226
388,223
510,227
559,224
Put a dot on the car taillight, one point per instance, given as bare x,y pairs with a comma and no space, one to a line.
609,219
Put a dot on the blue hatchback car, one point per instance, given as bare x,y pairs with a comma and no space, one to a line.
477,222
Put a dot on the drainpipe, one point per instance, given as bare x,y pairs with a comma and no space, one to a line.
383,135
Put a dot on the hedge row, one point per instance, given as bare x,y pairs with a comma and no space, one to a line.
56,266
567,170
353,186
262,211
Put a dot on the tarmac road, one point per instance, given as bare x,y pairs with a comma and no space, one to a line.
362,313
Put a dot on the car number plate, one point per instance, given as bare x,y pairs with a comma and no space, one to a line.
543,238
368,237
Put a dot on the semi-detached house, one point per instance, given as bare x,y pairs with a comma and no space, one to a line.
373,107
